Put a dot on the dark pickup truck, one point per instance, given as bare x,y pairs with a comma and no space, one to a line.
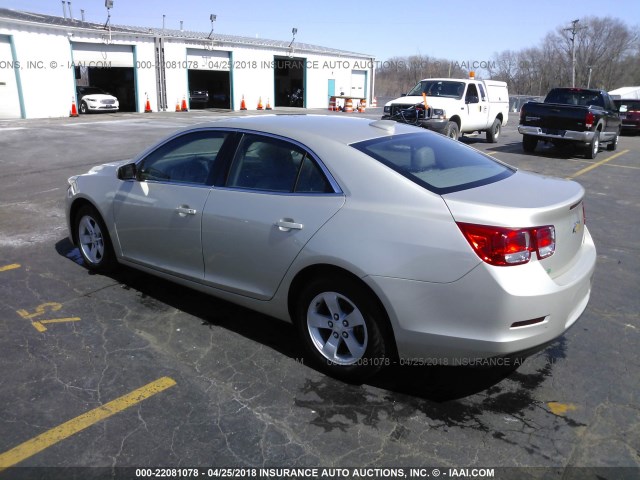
571,115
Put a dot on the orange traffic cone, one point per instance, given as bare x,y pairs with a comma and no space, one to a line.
147,107
184,104
178,109
74,110
260,107
243,106
268,107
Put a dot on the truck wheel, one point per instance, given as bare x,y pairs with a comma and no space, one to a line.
494,132
613,145
529,143
452,130
592,149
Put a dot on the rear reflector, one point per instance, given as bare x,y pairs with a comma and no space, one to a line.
525,323
509,246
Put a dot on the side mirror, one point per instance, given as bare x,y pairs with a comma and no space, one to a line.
403,94
127,172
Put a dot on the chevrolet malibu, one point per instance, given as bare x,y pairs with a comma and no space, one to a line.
379,241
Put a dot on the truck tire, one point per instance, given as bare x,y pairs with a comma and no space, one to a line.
529,143
613,144
592,148
452,130
494,132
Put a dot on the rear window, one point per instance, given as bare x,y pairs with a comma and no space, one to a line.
435,162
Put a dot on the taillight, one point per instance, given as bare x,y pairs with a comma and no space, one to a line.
509,246
588,119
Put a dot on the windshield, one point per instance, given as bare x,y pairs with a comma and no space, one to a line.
435,162
91,91
438,88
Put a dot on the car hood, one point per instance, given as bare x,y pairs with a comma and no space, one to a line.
98,97
435,102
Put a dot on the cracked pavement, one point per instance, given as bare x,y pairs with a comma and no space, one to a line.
244,396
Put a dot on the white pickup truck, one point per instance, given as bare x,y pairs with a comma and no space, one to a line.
454,106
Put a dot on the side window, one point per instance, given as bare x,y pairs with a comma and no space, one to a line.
472,94
483,97
188,159
269,164
312,179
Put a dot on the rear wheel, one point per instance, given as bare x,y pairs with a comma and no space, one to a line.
529,143
93,240
592,148
452,130
342,327
494,132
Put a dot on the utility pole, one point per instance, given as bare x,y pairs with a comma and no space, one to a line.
574,29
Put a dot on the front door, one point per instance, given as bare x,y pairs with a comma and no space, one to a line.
158,216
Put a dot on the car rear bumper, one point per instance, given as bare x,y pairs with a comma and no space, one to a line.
473,318
585,137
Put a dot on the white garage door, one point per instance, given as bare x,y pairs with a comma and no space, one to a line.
200,59
9,100
102,55
358,81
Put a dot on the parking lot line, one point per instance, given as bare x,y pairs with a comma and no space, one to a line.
6,268
597,164
75,425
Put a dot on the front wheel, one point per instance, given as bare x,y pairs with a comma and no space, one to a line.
613,145
93,240
592,148
452,130
494,132
83,107
342,327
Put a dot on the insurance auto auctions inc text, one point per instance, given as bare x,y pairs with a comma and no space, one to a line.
347,473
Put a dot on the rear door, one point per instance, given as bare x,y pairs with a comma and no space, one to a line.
275,198
158,216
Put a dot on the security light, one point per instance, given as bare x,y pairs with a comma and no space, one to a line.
108,3
212,17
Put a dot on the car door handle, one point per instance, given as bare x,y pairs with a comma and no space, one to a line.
184,210
287,224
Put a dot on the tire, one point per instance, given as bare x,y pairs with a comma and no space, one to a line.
594,146
93,239
613,145
83,108
529,143
452,130
341,326
494,132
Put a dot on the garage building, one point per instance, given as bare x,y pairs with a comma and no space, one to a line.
44,58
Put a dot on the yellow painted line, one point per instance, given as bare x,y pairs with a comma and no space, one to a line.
65,430
558,408
597,164
39,324
13,266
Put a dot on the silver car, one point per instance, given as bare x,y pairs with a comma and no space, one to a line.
381,242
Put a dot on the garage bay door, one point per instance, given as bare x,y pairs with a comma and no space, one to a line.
9,100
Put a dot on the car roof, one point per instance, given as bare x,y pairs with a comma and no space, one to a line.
315,128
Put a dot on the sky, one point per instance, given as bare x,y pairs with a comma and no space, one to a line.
460,31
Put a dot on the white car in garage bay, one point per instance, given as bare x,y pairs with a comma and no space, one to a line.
94,99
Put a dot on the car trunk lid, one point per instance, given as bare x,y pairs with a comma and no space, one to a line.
528,200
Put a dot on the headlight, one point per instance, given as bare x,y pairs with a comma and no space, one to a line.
438,113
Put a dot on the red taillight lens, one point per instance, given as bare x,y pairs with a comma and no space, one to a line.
545,241
588,119
509,246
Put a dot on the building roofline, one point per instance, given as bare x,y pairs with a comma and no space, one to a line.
51,21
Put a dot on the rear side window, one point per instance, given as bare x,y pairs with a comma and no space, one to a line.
435,162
